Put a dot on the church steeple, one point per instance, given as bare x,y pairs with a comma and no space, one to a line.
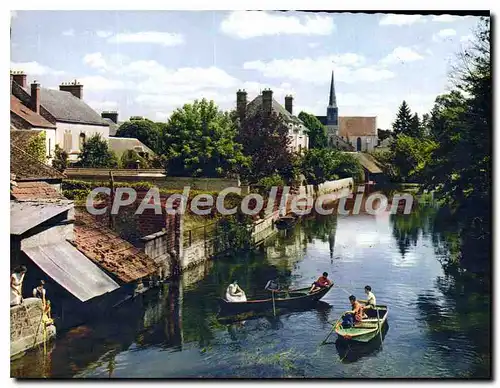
332,111
332,101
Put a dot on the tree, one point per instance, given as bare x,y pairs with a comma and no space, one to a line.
411,155
383,134
315,130
415,127
60,160
96,154
130,158
199,140
321,165
403,123
36,147
146,131
265,140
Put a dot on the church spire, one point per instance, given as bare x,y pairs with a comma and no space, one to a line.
333,99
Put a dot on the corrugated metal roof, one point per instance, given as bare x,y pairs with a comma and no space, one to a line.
72,270
27,215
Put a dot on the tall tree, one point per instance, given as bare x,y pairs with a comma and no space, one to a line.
96,154
199,140
403,123
315,130
265,140
415,127
144,130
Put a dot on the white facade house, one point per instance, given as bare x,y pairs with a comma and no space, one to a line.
359,131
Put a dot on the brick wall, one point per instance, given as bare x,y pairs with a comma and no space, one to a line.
26,327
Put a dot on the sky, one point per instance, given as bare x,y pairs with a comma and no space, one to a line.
149,63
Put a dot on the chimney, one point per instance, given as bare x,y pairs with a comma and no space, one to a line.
267,102
35,97
75,88
110,114
241,103
289,104
19,77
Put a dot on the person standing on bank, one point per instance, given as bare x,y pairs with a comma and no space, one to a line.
16,285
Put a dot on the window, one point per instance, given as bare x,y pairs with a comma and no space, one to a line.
81,141
358,144
68,141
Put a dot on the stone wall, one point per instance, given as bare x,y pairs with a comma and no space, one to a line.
26,327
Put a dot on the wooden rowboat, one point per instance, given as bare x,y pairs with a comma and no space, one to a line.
282,300
367,329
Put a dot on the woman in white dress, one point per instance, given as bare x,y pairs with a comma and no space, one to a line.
16,285
235,294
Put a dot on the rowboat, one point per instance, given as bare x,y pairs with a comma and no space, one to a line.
282,300
367,329
285,222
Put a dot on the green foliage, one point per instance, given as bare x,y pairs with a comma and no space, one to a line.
322,165
383,134
199,140
411,155
233,233
96,154
60,160
129,160
266,142
269,181
315,130
403,123
146,131
37,147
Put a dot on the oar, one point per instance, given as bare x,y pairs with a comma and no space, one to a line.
331,331
274,307
379,327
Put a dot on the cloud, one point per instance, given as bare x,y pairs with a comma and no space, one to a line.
400,20
162,116
445,34
466,38
444,18
70,32
313,44
97,82
250,24
401,55
34,68
103,105
103,34
348,68
153,37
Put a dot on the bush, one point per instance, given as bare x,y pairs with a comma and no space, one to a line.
269,181
60,160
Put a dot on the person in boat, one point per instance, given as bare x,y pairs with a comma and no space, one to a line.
40,292
371,301
350,318
322,282
234,293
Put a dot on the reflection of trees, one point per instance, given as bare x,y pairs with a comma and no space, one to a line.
321,227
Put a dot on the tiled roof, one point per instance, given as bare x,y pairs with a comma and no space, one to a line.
26,167
31,117
22,137
120,144
24,191
256,104
66,107
357,126
107,249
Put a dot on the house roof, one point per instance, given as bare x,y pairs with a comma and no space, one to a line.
121,144
72,270
31,117
357,126
24,191
256,104
66,107
26,215
27,167
367,161
113,127
107,249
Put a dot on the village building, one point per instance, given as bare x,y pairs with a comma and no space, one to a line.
265,104
357,133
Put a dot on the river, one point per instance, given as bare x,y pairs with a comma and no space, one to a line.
438,325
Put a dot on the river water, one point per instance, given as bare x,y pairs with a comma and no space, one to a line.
438,325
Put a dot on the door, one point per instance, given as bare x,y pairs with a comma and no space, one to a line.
358,144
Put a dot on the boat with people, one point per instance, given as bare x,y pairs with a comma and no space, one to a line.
286,299
367,329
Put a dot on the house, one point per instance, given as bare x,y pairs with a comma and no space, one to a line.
121,144
356,132
111,117
266,104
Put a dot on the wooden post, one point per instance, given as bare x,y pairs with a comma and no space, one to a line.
112,197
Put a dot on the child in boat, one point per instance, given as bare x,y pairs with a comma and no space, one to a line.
322,281
354,316
371,301
234,293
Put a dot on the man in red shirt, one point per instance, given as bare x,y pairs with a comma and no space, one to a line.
355,315
322,281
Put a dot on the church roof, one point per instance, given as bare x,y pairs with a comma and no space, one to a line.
332,100
357,126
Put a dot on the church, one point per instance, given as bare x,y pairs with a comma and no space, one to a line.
349,133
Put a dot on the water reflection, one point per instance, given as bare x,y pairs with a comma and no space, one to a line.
351,351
